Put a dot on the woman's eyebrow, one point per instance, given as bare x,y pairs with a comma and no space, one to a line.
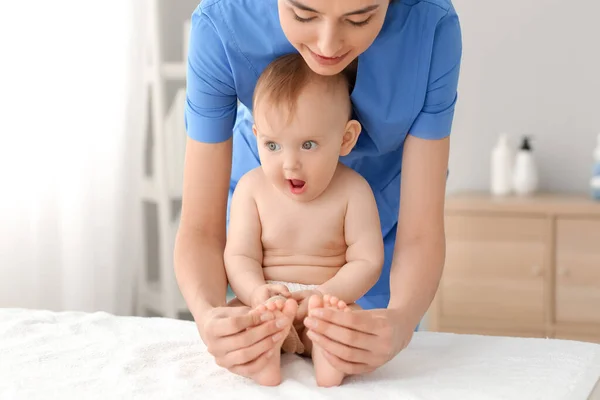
301,6
304,7
363,10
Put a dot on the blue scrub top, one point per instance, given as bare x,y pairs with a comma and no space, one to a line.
406,84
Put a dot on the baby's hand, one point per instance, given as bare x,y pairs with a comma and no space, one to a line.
263,293
302,298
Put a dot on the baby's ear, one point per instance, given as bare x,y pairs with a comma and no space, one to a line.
254,130
353,129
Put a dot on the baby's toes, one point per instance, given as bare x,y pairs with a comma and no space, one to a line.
261,308
315,301
271,306
341,304
333,301
290,307
279,303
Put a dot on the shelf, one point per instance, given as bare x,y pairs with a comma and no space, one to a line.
150,191
155,299
175,71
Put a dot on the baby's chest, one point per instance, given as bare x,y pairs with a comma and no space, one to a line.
302,226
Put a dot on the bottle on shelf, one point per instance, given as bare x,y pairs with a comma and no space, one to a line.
595,181
525,174
501,167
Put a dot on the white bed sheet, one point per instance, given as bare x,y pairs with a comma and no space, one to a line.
85,356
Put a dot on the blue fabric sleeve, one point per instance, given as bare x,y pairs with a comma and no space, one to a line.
211,97
435,119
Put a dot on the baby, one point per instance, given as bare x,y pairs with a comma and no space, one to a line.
302,220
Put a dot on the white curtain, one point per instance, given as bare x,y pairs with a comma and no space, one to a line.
71,103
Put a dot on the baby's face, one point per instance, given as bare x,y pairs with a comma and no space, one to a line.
300,156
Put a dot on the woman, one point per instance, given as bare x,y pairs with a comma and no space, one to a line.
403,58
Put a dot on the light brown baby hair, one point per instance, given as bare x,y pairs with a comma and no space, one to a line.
282,82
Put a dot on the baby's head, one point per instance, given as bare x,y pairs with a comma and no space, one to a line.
302,122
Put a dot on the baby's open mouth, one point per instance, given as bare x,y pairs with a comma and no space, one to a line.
297,183
297,186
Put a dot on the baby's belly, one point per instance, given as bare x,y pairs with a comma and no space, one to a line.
305,269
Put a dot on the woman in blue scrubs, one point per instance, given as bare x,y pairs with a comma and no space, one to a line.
403,59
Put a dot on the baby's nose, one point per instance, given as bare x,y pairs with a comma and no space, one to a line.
291,163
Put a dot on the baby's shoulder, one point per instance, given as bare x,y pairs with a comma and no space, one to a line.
351,182
250,181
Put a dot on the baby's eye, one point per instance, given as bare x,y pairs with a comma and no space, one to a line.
272,146
308,145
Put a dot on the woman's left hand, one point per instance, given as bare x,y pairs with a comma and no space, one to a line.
359,341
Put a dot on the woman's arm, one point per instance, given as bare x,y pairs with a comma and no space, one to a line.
240,340
200,241
420,247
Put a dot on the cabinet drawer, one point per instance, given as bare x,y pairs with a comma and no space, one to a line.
578,271
494,270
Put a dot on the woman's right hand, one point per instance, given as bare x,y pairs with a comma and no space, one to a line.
241,340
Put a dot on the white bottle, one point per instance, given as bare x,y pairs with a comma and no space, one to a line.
595,181
501,167
525,174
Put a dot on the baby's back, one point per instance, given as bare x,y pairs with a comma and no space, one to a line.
303,242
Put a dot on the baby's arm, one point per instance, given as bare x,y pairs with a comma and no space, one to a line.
364,256
243,250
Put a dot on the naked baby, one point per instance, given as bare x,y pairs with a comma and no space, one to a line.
302,220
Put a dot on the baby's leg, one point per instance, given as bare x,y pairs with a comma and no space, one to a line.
283,309
326,374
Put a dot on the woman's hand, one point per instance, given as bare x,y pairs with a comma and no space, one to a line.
359,341
240,339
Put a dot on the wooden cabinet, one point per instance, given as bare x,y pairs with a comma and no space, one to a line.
578,271
520,267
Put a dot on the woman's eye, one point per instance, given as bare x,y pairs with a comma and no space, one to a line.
272,146
309,145
300,19
360,23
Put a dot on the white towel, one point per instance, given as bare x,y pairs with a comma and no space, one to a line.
46,355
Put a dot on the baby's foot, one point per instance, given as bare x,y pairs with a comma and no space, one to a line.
284,310
326,374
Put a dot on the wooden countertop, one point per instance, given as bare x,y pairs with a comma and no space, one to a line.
540,203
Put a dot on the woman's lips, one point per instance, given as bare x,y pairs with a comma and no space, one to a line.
328,61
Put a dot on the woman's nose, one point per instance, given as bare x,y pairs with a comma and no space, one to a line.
329,42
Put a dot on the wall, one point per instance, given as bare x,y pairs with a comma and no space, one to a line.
529,67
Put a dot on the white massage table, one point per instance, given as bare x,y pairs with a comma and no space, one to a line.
45,355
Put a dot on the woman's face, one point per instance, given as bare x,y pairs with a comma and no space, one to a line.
330,34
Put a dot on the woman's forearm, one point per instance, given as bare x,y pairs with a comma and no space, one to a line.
415,275
200,240
200,271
